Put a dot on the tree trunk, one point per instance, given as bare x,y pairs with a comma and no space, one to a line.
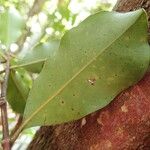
122,125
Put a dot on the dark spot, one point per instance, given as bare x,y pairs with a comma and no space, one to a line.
49,85
72,109
78,113
73,95
62,102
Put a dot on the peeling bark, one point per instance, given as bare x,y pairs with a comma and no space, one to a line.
122,125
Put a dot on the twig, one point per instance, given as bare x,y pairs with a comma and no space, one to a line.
12,67
3,105
19,122
22,39
36,8
17,133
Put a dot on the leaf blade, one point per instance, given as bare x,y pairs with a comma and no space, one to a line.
52,97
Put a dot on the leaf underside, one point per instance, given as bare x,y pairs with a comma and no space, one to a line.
105,54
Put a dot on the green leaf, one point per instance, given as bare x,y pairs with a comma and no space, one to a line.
105,54
34,59
11,25
19,84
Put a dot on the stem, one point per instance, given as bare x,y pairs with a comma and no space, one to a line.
3,105
17,132
23,65
36,8
12,67
18,124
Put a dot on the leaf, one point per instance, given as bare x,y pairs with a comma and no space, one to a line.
34,59
11,25
19,84
105,54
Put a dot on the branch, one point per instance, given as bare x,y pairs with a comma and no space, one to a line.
17,133
3,105
35,9
19,122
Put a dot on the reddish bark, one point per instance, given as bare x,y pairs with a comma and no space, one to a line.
124,124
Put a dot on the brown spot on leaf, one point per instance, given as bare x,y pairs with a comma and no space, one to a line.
62,102
92,81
